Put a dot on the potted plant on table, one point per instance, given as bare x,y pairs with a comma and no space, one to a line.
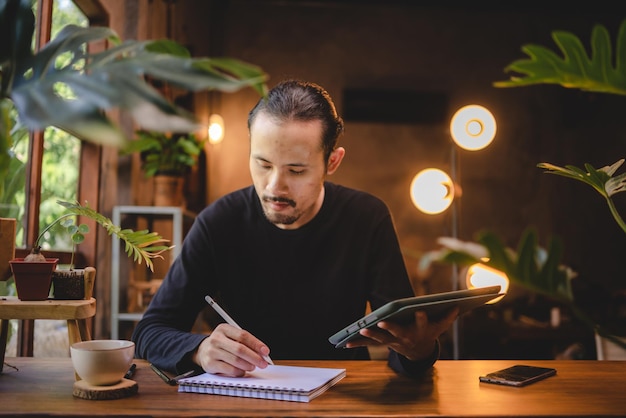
166,157
534,268
142,246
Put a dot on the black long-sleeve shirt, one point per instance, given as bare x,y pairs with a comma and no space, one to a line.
292,289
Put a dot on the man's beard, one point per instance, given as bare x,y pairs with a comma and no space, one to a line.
279,218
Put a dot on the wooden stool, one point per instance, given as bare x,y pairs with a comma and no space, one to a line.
76,312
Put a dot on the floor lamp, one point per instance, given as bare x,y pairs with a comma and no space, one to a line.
472,128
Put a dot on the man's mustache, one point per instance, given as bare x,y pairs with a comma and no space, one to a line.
290,202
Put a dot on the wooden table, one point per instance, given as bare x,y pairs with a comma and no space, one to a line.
43,386
76,312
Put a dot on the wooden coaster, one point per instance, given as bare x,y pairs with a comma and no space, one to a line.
122,389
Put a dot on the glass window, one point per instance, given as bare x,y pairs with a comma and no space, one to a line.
61,156
60,162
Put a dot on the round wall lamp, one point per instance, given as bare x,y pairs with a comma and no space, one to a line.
432,191
473,127
215,130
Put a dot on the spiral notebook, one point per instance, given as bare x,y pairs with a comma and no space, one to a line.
283,383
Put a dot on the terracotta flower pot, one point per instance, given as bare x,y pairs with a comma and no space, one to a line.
33,279
168,190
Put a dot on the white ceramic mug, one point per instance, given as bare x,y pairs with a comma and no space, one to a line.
102,362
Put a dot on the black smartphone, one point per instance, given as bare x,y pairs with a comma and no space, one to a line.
518,375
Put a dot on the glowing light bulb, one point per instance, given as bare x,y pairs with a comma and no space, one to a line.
473,127
215,131
432,191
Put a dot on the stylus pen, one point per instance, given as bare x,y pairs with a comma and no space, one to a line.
228,319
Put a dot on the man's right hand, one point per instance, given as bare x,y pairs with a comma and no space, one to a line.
231,351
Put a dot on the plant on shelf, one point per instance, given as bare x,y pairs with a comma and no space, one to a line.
165,153
534,268
166,158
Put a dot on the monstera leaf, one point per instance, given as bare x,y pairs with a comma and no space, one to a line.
118,78
598,72
114,79
602,180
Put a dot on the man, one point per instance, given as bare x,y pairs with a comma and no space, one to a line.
293,258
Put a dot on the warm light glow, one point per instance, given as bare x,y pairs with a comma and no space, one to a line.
480,275
432,191
216,129
473,127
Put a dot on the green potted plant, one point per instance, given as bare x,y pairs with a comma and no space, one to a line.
142,246
166,157
535,268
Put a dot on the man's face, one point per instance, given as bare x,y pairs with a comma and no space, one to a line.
288,170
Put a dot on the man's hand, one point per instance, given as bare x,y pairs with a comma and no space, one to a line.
231,351
415,341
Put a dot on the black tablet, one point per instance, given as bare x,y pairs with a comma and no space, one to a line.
401,310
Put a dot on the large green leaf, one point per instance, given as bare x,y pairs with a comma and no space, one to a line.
117,78
602,180
598,72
